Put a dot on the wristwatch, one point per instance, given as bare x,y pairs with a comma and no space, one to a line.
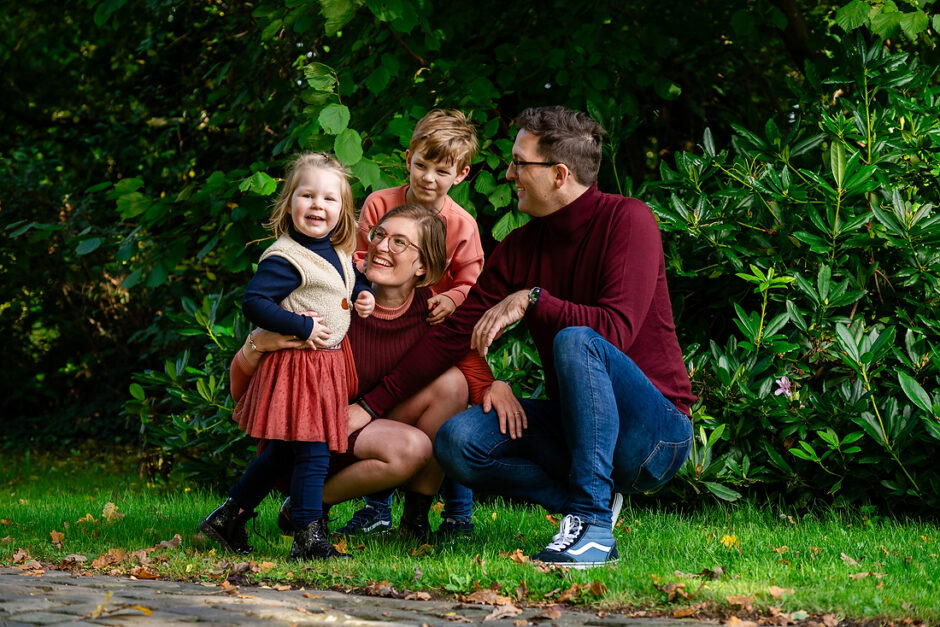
534,294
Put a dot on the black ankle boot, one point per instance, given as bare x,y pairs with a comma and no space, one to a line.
227,527
414,519
313,542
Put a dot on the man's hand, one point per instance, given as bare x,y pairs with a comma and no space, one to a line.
492,324
440,307
365,304
358,417
508,409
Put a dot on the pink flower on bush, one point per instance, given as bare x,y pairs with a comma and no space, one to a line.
784,386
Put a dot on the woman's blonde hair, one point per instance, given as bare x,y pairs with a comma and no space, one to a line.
432,250
344,233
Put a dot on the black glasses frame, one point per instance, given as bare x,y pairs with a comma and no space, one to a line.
515,163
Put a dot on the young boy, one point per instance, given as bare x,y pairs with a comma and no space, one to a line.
438,157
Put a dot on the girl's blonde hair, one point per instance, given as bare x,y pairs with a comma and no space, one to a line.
344,233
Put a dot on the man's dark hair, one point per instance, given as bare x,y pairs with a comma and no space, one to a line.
568,137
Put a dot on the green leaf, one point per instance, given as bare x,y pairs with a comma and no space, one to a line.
272,29
847,342
837,162
132,279
852,15
722,491
334,118
320,76
338,13
348,147
914,23
368,173
137,391
501,196
262,184
132,204
915,392
89,245
507,223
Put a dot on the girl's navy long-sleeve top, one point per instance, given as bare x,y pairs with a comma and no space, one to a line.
276,278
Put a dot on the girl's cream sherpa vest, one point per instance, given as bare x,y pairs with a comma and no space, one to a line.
321,288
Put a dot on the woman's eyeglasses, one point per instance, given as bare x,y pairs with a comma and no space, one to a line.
396,243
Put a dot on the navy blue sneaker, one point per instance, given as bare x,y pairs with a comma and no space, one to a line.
451,530
368,521
579,545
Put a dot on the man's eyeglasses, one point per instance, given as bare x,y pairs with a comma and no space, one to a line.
396,243
516,163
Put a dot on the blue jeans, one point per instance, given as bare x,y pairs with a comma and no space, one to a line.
609,431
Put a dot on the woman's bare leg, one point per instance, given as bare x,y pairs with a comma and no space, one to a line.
430,408
390,454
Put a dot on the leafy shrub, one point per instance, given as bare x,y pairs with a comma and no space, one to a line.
819,239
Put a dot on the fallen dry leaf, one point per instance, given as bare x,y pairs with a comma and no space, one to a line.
144,572
340,546
422,550
487,596
778,592
552,519
382,589
87,518
266,566
73,560
310,595
734,621
418,596
438,507
517,556
6,539
780,549
20,556
743,601
504,611
457,618
550,613
174,542
112,557
830,620
851,561
684,612
520,622
110,512
866,574
57,538
597,588
282,588
228,588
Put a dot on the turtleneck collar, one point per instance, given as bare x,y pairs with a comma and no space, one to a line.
309,242
570,220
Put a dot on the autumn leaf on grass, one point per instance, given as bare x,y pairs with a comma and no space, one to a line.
266,566
830,620
487,596
6,540
781,549
438,507
850,560
57,538
174,542
112,557
731,542
87,518
110,512
867,574
517,556
504,611
551,518
20,556
778,592
422,550
418,596
743,601
340,546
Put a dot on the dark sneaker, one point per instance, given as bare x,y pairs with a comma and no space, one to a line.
368,521
226,526
579,545
284,522
451,530
313,543
616,504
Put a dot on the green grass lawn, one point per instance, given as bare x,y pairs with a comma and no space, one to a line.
720,560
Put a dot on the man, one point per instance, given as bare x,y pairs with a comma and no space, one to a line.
587,275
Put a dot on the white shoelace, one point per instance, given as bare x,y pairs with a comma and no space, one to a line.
567,533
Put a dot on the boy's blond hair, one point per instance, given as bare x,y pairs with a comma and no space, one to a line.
344,233
445,135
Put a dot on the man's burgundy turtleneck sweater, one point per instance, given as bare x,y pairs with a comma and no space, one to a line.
599,262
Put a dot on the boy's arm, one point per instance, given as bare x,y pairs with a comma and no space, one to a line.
466,261
368,217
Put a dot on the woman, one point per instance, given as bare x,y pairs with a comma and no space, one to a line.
406,254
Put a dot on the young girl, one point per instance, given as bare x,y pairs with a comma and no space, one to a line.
297,400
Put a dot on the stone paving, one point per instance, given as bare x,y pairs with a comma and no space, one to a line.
63,598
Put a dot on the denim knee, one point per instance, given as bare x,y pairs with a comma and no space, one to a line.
568,343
